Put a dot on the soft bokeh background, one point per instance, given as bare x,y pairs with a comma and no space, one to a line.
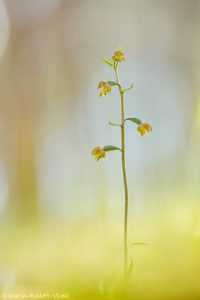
61,213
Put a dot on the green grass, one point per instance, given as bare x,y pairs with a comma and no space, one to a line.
86,260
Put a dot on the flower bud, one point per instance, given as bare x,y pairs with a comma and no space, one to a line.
118,56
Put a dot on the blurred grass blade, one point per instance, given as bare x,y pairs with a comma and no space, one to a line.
130,268
140,244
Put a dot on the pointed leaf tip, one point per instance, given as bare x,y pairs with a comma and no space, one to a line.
110,148
113,124
134,120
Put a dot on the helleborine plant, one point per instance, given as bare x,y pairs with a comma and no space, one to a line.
142,127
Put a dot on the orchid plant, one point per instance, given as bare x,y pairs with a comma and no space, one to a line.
100,152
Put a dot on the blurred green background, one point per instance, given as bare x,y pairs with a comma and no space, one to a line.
61,213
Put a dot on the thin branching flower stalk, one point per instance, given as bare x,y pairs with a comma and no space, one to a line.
100,152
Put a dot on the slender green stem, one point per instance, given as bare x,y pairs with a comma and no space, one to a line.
121,91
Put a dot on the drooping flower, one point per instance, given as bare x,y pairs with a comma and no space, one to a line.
105,88
98,153
143,128
118,56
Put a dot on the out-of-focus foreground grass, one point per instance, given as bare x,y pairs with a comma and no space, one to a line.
86,260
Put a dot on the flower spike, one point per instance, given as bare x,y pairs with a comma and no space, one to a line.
100,152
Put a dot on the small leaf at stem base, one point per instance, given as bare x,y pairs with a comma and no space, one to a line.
130,268
140,244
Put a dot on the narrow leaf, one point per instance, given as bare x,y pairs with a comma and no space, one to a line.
112,83
134,120
107,62
129,88
110,148
113,124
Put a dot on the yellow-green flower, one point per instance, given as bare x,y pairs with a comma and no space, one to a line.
118,56
143,128
98,153
105,88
